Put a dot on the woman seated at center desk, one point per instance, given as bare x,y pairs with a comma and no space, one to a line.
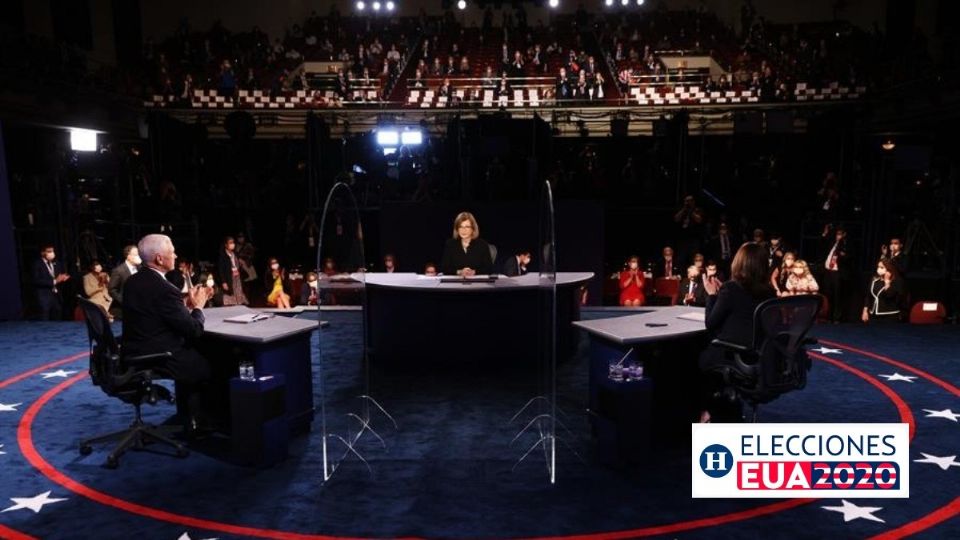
466,254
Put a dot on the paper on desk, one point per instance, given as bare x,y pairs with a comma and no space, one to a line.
248,318
698,316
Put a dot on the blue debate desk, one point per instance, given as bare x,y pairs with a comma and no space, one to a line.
628,417
276,346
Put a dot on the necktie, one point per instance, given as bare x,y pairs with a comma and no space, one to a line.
724,247
666,269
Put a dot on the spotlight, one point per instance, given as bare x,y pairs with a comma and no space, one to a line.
608,3
388,137
888,145
376,6
639,2
361,6
462,4
411,138
624,3
83,140
390,6
554,3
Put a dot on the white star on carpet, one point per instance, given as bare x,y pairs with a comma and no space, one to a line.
1,451
186,536
33,503
946,413
851,511
827,350
898,377
7,408
58,373
944,462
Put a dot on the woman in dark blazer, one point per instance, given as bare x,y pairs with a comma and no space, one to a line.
466,254
729,311
884,294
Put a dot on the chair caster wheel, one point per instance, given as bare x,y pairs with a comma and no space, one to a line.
112,462
182,452
85,450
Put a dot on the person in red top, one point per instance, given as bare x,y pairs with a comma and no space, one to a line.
631,284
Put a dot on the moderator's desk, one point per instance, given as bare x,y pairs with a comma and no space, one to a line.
669,354
279,345
415,319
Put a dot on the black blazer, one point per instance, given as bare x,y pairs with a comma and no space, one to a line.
118,276
154,317
661,264
729,313
225,271
305,294
715,248
512,268
881,302
477,257
699,293
40,276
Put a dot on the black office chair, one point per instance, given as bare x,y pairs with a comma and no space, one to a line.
127,378
777,362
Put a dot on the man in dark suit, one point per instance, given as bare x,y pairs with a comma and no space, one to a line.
897,257
119,275
667,265
834,266
309,291
46,274
156,318
517,265
691,289
721,247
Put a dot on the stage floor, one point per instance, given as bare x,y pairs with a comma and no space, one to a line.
448,470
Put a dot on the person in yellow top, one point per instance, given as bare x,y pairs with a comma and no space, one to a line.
276,277
95,287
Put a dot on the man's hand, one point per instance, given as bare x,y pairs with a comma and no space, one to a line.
61,278
198,296
468,272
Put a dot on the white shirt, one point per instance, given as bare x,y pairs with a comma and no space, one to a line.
133,269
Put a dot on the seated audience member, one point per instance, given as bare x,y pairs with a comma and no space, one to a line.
466,254
801,280
729,311
691,288
329,267
228,266
157,320
389,263
309,295
47,274
712,271
884,294
418,80
95,283
631,284
698,261
562,88
667,266
445,90
119,276
182,277
275,283
517,265
778,278
430,269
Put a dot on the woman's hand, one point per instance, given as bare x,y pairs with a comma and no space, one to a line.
711,285
865,316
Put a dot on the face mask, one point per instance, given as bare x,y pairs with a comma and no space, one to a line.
633,266
881,271
210,283
274,266
97,269
50,256
136,260
312,283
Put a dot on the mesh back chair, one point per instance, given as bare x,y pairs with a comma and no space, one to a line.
777,362
127,378
493,255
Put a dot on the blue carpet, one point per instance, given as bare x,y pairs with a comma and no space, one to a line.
449,470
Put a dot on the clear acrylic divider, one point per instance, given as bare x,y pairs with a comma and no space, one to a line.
537,419
351,419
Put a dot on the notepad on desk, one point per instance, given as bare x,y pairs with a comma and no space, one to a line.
247,318
698,316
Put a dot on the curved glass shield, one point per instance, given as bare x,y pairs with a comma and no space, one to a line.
538,416
348,414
